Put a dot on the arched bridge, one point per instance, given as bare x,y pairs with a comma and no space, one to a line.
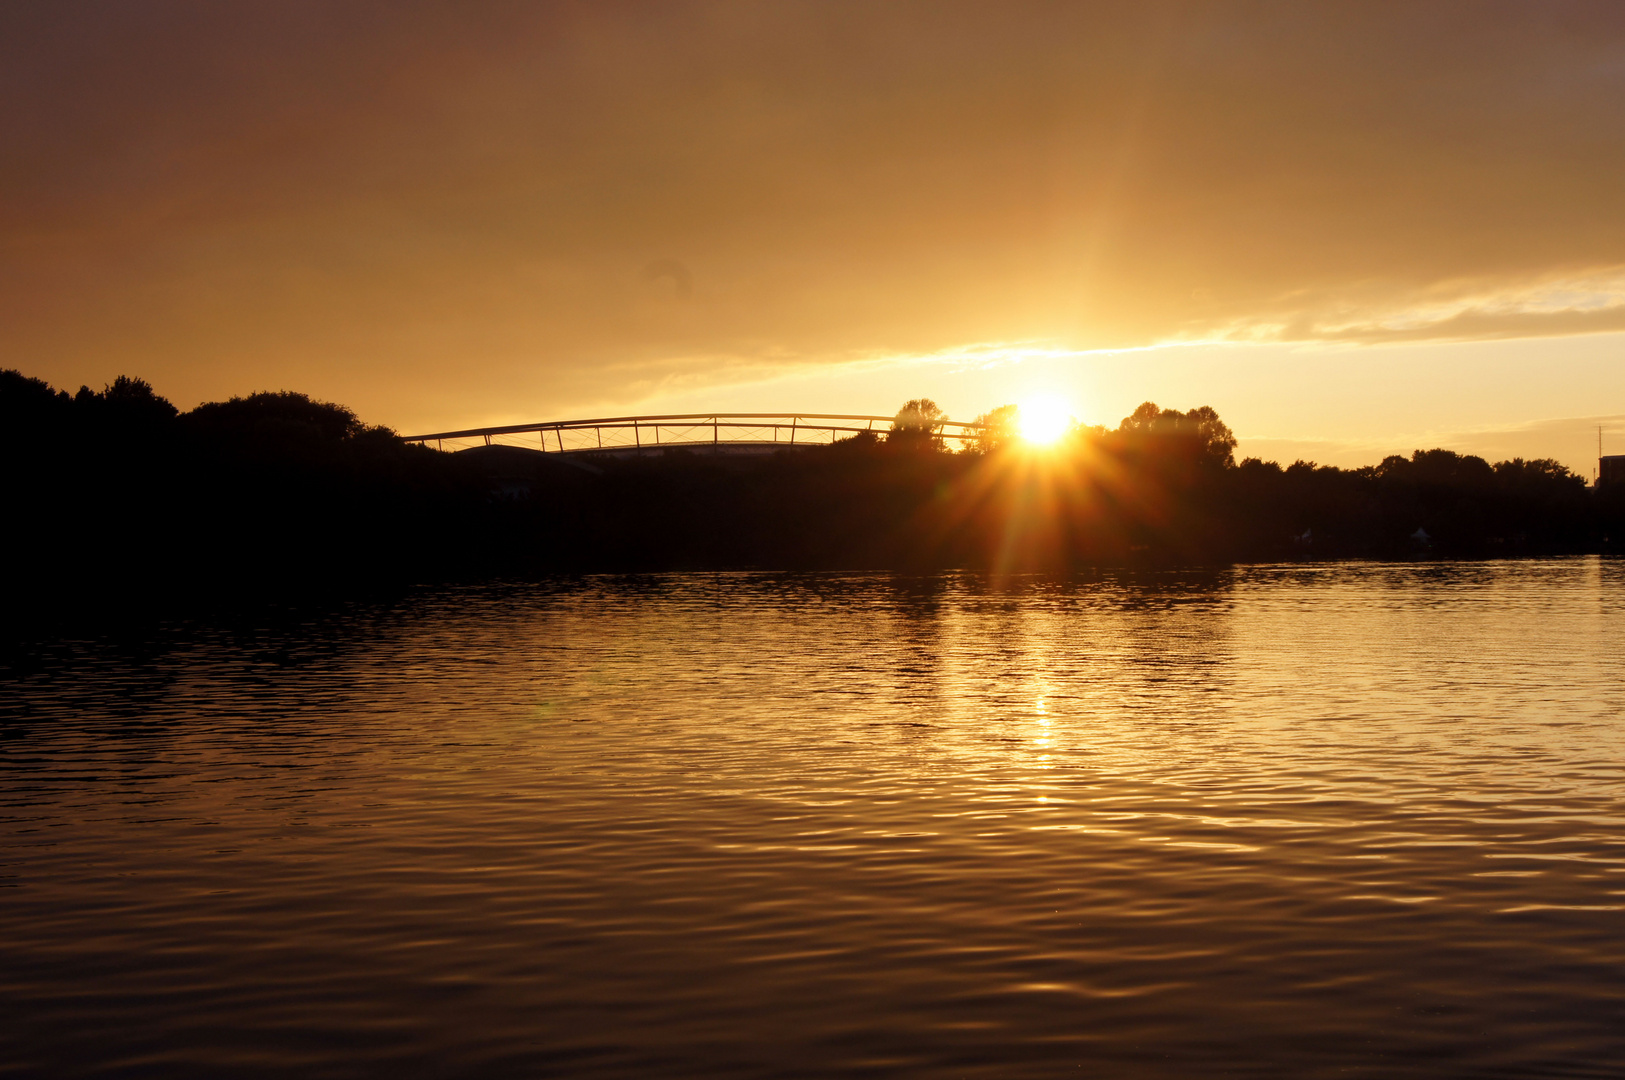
716,432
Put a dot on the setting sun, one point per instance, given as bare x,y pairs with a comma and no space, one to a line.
1043,421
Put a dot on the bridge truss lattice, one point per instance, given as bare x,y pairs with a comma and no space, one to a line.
721,432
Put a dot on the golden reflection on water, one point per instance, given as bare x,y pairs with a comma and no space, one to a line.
1297,821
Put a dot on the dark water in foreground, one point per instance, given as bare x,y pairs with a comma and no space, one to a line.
1348,820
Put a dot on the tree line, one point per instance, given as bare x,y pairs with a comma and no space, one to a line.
117,495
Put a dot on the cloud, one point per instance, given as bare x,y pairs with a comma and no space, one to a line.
467,201
1445,311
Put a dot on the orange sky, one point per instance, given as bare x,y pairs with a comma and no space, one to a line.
1403,220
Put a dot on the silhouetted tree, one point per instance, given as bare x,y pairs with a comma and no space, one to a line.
136,397
917,424
282,417
1200,430
999,428
276,491
29,408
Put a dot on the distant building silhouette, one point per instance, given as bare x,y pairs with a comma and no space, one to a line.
1611,469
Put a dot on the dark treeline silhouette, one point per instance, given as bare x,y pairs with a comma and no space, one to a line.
117,496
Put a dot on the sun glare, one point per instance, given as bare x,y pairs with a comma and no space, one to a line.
1043,421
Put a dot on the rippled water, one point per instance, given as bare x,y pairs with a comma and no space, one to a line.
1344,820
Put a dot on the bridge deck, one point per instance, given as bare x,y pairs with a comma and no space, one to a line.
652,434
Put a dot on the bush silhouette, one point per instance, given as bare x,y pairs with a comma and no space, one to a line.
277,491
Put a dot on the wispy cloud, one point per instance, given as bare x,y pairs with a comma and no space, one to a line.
1546,306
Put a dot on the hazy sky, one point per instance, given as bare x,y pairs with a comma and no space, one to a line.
1354,224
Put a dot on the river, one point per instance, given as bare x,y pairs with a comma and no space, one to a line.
1274,821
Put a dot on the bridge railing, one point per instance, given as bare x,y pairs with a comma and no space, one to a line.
638,434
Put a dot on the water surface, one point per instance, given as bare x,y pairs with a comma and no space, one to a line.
1343,820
